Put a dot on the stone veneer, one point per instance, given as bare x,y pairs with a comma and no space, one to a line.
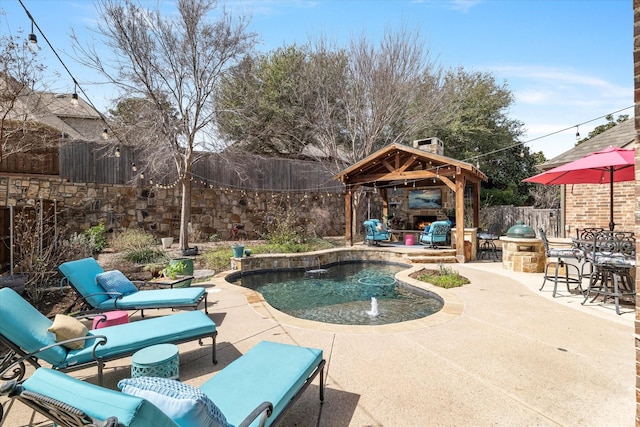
316,259
213,211
516,258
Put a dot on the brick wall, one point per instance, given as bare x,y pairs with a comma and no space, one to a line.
214,211
587,205
636,97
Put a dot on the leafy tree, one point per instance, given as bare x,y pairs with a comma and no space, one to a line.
601,128
481,132
172,65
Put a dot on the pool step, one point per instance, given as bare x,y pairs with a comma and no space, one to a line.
433,256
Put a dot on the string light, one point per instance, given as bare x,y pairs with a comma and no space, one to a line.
134,167
577,132
33,39
105,135
117,153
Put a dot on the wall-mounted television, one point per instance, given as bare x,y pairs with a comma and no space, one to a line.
429,198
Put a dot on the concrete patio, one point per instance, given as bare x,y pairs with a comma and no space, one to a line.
502,353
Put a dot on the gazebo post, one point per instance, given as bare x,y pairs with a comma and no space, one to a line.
348,218
476,204
460,182
385,203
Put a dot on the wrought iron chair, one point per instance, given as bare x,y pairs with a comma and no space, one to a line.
613,256
562,256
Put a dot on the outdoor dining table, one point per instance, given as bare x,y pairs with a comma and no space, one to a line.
487,245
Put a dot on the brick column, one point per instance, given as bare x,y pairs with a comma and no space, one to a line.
636,98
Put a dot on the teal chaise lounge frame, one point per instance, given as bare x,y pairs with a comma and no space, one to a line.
438,233
372,234
23,329
255,390
82,273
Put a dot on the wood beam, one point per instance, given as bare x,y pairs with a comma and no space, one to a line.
460,182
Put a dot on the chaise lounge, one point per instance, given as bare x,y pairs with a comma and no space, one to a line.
255,390
83,275
25,331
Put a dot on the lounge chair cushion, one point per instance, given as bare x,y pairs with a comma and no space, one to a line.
153,298
116,282
184,404
97,401
26,327
258,376
65,328
130,337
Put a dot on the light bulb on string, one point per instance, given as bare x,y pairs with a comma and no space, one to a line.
33,39
522,152
105,133
134,167
117,153
577,132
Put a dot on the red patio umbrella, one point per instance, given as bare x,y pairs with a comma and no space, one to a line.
610,165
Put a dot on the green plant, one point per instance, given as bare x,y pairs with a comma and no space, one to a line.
96,236
133,239
144,255
444,277
213,238
172,270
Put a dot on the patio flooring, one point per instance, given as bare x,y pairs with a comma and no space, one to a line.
506,355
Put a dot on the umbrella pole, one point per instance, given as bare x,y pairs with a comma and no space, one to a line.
612,225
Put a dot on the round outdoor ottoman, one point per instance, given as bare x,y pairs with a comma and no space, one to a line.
111,318
160,360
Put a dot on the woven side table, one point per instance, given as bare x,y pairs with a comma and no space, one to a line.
159,360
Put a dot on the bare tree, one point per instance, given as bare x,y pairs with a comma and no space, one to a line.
23,98
174,63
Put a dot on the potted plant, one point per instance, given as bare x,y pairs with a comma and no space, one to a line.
172,270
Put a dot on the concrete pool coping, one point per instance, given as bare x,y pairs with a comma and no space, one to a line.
451,309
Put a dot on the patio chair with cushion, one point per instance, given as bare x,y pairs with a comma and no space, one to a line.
66,344
613,256
565,260
437,233
375,232
105,291
256,389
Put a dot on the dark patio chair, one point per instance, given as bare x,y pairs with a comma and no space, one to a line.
561,255
613,256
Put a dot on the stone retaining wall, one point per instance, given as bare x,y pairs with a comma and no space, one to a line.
214,211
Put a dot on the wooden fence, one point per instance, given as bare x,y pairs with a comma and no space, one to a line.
500,218
90,162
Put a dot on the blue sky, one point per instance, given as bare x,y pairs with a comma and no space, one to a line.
567,62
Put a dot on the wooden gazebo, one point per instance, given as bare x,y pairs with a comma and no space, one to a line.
401,166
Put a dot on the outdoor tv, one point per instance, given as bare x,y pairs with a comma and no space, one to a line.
430,198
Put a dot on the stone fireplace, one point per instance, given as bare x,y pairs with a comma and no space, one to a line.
418,222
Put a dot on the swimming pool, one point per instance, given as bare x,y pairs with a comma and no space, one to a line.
356,293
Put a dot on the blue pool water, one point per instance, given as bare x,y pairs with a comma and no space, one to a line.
343,293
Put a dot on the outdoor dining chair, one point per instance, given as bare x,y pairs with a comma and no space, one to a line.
561,266
613,255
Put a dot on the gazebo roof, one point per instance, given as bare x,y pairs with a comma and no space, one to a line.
397,163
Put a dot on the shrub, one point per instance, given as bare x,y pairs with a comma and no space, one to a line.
96,237
133,239
144,255
218,259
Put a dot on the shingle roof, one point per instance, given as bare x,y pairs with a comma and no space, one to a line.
621,135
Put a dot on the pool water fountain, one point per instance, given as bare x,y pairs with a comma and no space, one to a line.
355,293
374,307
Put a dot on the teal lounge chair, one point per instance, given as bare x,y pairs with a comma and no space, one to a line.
375,232
254,390
438,232
82,275
24,330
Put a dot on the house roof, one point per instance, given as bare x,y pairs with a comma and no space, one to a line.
621,135
397,162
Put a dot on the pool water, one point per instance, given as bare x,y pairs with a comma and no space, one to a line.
343,294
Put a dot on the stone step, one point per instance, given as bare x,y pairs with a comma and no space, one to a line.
435,259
